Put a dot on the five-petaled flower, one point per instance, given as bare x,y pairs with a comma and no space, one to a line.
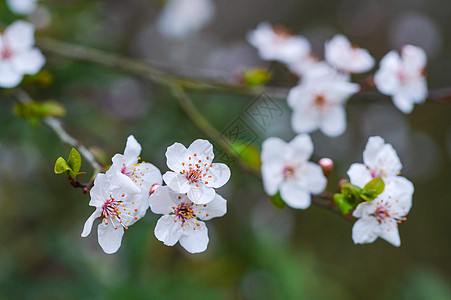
318,101
143,174
344,56
17,54
380,217
182,218
117,201
285,167
276,43
380,160
193,171
403,77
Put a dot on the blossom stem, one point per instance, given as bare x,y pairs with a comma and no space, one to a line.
66,138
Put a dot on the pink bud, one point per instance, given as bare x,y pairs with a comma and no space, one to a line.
327,165
341,183
153,188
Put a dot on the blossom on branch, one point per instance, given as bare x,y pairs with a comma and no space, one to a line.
346,57
403,77
276,43
143,174
182,218
285,168
317,102
193,171
118,202
17,54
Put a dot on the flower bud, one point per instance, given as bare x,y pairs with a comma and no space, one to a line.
341,183
153,188
327,165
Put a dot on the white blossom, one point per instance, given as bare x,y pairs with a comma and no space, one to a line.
17,54
193,171
181,18
285,168
117,201
182,218
380,217
275,43
143,174
317,102
22,7
403,77
344,56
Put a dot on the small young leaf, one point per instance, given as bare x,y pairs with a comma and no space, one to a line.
61,166
372,189
248,153
256,77
74,161
277,201
342,204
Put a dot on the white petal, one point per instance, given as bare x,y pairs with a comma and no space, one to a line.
88,225
372,148
215,208
148,175
303,121
29,62
132,150
365,230
311,178
22,7
294,196
333,123
390,233
20,35
386,78
160,201
100,191
195,240
177,182
272,174
168,231
359,175
272,148
387,160
302,147
220,174
122,184
365,209
414,57
201,194
202,149
176,155
110,239
9,76
403,102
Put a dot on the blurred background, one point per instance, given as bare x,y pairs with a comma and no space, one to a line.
256,251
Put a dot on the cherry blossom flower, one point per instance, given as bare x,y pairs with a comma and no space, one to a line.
285,168
344,56
317,102
380,217
22,7
143,174
182,218
276,43
117,201
193,171
17,54
380,160
181,18
403,77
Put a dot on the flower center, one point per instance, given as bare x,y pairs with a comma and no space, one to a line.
6,52
194,175
282,33
114,210
288,172
381,212
185,211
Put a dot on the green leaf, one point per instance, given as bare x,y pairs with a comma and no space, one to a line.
74,161
256,77
351,194
61,166
373,189
52,108
277,201
248,153
342,204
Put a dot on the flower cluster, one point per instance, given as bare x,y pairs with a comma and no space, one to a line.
318,99
123,194
380,217
18,56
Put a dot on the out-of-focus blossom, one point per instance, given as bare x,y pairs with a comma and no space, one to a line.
276,43
317,102
302,66
118,202
193,171
380,160
181,18
143,174
344,56
22,7
17,54
380,217
285,168
403,77
182,218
